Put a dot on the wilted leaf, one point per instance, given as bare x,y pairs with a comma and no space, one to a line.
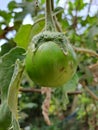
14,86
46,104
13,92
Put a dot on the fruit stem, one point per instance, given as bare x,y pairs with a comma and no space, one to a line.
49,23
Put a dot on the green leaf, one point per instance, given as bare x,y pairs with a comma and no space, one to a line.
5,116
37,27
15,125
22,38
60,97
71,85
91,43
19,17
7,16
26,32
12,5
13,92
79,4
7,63
59,15
28,7
5,48
42,1
57,1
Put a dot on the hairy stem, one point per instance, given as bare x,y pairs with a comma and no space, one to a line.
48,17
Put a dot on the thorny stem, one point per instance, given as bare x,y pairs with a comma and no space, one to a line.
48,17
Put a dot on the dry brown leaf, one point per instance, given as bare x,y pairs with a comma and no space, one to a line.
46,104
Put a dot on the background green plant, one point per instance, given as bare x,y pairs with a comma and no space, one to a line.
70,111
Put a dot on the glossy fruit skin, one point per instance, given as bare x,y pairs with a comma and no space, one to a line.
48,64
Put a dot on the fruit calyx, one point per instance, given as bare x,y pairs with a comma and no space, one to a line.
57,37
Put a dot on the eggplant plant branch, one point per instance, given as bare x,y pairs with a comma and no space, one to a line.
83,50
32,90
50,26
43,18
91,93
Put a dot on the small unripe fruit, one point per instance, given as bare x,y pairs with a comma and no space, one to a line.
50,60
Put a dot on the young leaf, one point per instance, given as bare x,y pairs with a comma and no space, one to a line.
7,63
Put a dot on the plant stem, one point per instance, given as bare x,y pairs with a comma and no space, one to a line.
27,90
83,50
52,5
48,17
57,25
91,93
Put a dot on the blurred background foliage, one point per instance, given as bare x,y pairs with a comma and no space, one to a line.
77,109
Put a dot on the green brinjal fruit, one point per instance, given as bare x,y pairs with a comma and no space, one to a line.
50,60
